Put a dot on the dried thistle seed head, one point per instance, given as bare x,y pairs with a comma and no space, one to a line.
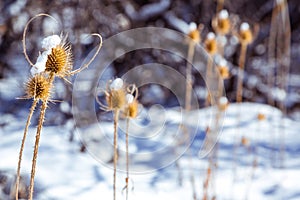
116,99
211,43
261,116
59,61
223,103
223,69
245,34
38,87
194,33
221,23
245,141
224,72
131,110
115,94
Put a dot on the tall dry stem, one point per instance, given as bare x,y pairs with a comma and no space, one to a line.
116,120
36,146
127,155
33,106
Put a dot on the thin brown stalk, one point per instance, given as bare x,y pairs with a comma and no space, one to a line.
188,96
220,5
284,60
208,77
22,146
239,94
36,146
116,120
127,155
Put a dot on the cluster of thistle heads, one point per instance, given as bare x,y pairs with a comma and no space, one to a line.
215,41
122,97
54,61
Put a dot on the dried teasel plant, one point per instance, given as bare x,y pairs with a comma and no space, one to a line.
120,100
54,61
195,37
211,48
245,36
130,112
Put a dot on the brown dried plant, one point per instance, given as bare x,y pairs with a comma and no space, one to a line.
57,62
119,99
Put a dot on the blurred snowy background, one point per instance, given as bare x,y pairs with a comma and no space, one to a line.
65,171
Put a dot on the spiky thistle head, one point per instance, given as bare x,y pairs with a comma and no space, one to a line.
56,59
245,34
131,110
223,69
221,23
115,95
223,103
38,87
194,32
210,43
59,60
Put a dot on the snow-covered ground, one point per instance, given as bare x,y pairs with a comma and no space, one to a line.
63,172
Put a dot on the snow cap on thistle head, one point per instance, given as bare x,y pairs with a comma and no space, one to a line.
59,60
116,96
245,34
210,43
131,110
223,103
221,23
194,32
50,42
116,84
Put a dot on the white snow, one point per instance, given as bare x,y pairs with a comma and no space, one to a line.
129,98
192,26
223,101
223,14
211,36
50,42
244,26
47,44
117,84
40,64
64,173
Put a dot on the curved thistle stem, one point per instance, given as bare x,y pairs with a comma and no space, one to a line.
116,120
36,146
24,34
92,59
33,106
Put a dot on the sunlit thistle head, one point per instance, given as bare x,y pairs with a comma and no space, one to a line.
194,33
223,69
38,87
210,43
115,94
245,34
223,103
221,23
131,110
59,60
261,116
